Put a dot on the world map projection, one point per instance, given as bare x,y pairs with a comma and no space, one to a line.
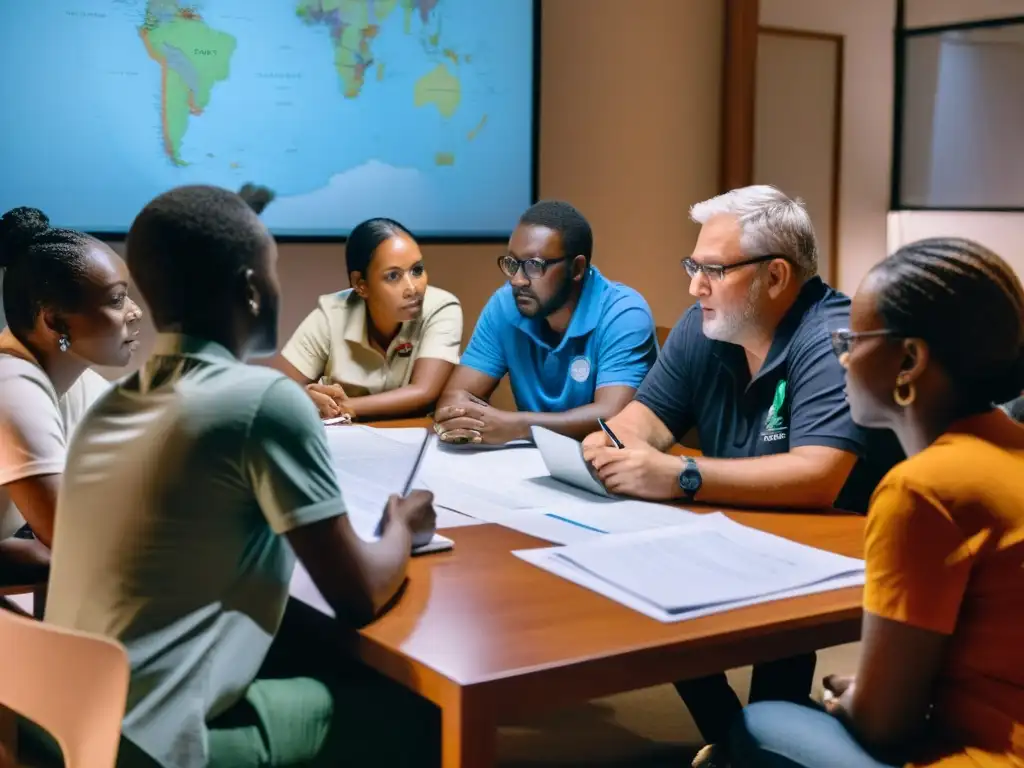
421,110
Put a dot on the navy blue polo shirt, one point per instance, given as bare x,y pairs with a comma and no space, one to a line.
798,397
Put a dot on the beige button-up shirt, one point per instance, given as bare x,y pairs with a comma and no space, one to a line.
332,343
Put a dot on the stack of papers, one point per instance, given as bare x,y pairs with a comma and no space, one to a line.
707,565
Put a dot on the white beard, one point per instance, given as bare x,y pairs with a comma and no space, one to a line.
730,327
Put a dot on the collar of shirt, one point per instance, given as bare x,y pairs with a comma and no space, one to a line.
183,345
357,331
733,356
585,317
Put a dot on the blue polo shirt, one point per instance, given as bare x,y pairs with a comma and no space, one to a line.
611,340
798,397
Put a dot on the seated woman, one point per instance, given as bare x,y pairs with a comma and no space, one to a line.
66,302
385,347
937,337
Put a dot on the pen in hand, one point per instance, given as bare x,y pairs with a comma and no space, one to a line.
611,435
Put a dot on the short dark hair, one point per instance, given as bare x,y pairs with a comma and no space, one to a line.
256,196
187,246
366,237
968,305
43,267
568,222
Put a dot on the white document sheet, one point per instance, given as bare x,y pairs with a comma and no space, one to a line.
449,518
513,488
568,517
481,468
372,464
563,458
585,522
471,448
622,516
708,565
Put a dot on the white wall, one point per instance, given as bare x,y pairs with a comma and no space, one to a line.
867,128
1002,232
867,118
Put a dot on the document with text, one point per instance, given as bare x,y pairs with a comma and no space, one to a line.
706,565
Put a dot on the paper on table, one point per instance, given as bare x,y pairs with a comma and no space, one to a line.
710,562
542,559
372,464
481,467
563,458
623,516
473,493
450,518
474,447
574,516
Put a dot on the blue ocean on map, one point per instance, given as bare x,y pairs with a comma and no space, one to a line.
416,109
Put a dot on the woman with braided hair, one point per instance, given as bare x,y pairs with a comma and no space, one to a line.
936,340
65,297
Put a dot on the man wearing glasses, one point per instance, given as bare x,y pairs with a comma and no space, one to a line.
751,365
574,345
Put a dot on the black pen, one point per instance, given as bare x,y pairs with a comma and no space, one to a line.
416,467
611,435
407,488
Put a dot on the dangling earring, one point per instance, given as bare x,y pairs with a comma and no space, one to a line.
254,306
63,343
899,398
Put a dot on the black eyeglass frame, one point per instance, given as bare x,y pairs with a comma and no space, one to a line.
843,338
717,272
541,265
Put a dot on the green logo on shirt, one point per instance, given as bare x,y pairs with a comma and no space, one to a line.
774,421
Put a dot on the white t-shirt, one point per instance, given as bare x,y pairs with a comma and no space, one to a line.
35,424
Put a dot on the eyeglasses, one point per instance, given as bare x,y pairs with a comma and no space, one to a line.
719,271
532,268
843,339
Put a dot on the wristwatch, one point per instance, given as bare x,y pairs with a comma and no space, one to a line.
690,479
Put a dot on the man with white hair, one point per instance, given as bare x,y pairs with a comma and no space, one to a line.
751,366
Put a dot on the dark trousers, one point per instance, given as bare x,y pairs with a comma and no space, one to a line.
715,706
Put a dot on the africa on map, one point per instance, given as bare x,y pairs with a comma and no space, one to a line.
421,110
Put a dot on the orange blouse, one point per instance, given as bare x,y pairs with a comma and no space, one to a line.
945,553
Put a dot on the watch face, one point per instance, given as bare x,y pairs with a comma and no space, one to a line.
689,482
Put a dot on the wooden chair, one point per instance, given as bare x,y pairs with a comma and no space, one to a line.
72,684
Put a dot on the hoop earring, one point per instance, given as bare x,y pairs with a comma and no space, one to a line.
63,343
904,400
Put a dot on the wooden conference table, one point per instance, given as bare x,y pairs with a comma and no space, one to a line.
487,636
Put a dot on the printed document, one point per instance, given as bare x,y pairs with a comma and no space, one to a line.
706,565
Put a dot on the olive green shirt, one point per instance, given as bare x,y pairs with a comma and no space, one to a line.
178,485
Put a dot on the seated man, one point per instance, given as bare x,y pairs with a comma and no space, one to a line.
189,486
574,344
751,364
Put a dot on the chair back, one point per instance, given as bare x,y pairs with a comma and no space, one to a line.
663,333
30,599
70,683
